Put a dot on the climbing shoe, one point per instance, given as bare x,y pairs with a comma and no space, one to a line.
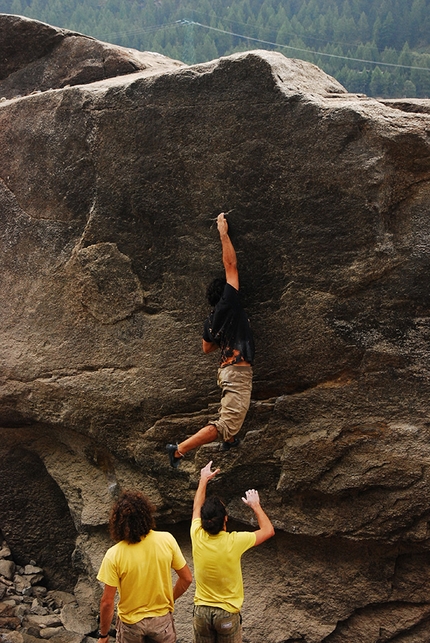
225,446
171,449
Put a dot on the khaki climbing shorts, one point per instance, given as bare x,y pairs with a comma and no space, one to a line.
236,386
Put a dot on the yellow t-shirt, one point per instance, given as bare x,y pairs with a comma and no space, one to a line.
217,569
141,573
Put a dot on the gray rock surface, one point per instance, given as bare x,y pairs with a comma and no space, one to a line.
29,612
7,569
108,193
36,57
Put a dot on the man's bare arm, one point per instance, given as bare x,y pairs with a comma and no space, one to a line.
205,475
228,253
266,531
209,347
182,582
106,610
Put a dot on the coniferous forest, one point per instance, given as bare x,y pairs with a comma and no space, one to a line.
376,47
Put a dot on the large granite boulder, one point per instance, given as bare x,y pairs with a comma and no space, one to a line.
108,193
35,57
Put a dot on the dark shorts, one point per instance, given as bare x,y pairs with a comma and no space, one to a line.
215,625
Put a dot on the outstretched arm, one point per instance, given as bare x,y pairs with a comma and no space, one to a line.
228,253
205,475
266,531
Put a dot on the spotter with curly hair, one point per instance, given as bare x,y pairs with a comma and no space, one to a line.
139,567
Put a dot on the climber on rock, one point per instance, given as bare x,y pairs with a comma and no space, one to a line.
227,328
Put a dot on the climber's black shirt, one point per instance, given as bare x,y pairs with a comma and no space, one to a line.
228,326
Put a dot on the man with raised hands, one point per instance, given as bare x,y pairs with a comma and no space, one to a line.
217,563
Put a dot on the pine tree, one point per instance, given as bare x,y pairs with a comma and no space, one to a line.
405,57
207,50
409,90
420,78
284,34
363,29
386,32
188,50
418,20
377,83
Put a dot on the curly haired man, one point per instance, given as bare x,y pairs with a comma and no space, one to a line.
138,566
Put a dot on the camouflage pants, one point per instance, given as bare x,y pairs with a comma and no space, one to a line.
215,625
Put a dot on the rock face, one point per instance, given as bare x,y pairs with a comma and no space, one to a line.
108,196
36,57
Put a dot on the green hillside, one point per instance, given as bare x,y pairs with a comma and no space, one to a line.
377,47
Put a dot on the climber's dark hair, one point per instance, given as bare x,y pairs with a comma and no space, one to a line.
213,513
214,290
131,517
